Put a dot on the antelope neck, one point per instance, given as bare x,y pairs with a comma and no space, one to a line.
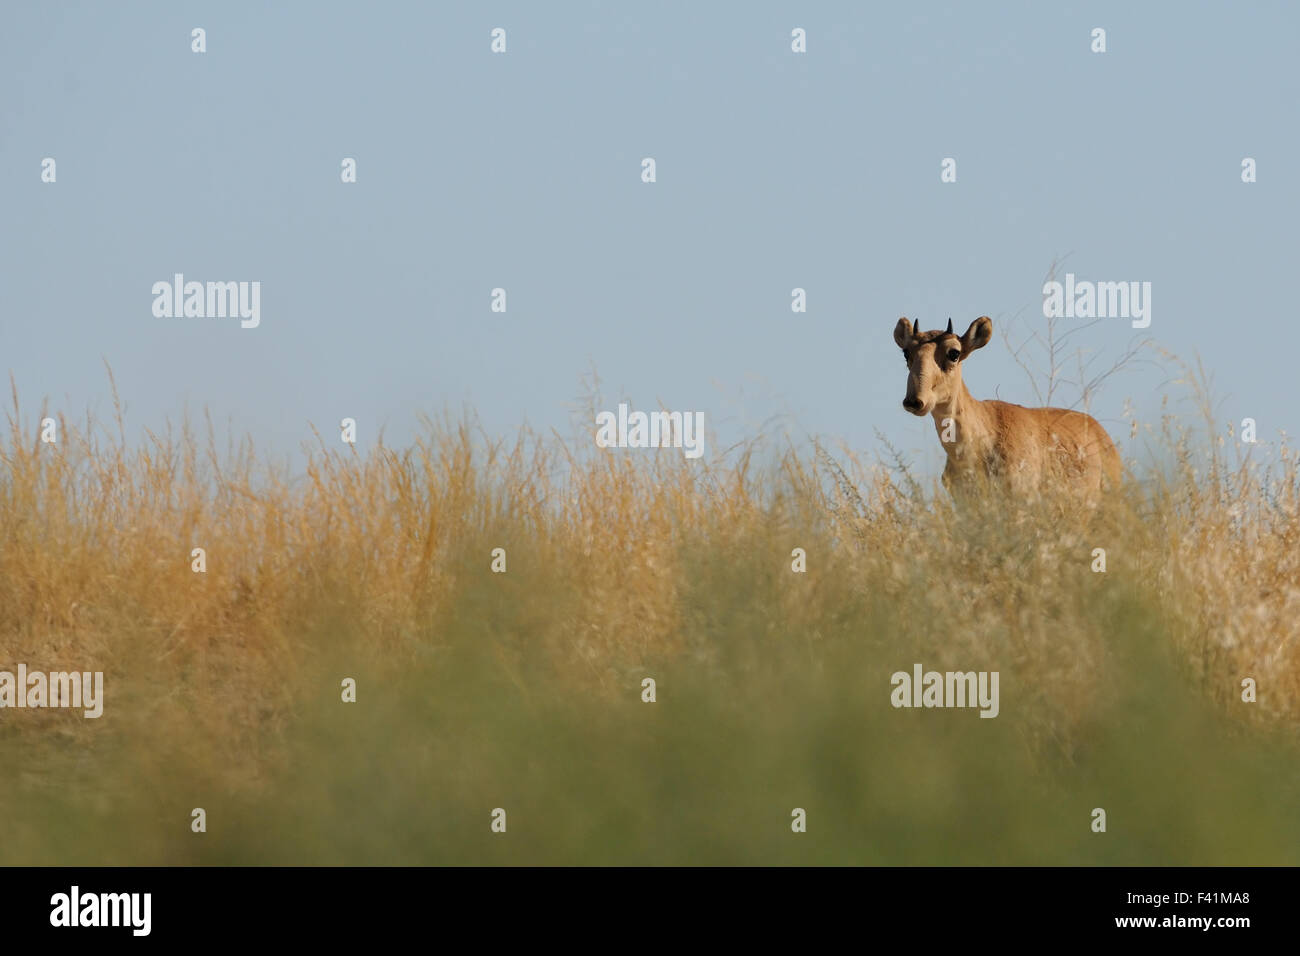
968,415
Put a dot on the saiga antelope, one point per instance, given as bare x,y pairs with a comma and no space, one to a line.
993,439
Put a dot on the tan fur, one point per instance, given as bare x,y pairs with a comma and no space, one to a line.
1021,447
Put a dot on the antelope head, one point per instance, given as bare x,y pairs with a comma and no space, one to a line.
934,361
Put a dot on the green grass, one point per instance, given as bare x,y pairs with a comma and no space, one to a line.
522,690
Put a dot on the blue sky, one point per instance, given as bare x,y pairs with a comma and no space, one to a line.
775,170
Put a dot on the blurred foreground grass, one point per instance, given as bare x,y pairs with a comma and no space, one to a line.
522,690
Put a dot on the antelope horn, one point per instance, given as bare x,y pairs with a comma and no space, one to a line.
950,325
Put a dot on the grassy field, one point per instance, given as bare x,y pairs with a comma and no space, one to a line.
522,690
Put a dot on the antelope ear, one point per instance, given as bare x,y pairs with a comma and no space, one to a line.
977,336
903,333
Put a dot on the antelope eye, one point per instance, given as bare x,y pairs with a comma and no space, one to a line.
953,355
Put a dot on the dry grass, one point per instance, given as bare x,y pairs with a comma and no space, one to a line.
478,688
